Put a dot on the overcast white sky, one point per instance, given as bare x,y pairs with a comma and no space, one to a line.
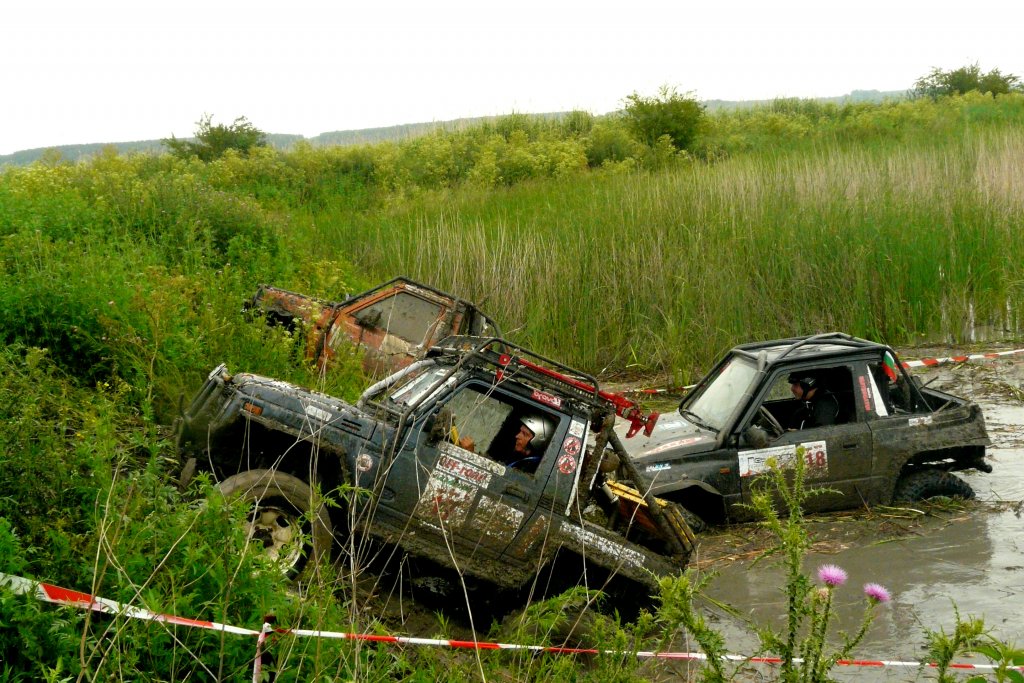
78,71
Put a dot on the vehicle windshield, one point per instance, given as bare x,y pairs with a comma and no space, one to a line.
712,405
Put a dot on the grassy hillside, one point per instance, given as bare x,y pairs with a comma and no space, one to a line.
122,280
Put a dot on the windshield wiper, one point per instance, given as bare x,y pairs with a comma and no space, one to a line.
697,420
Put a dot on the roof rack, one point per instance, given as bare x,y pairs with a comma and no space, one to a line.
794,343
509,359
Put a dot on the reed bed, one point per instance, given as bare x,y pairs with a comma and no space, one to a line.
662,271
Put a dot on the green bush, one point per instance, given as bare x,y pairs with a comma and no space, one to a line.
213,141
672,114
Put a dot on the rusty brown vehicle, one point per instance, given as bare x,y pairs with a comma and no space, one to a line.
396,322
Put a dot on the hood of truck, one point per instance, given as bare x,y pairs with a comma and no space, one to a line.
673,437
292,405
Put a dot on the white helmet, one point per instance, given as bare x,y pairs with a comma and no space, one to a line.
542,431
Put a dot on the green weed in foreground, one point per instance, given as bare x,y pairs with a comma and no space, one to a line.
806,646
970,636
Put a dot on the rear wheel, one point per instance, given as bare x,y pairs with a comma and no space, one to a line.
925,484
279,521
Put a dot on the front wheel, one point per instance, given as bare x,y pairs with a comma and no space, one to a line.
279,521
925,484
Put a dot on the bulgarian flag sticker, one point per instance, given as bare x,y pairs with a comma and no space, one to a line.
889,365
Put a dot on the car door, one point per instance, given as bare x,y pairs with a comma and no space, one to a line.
465,495
835,456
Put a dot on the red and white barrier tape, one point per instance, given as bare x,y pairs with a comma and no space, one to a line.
932,362
920,363
63,596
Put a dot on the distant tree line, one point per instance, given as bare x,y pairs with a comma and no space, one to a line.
966,79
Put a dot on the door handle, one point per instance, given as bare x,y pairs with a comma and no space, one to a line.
849,446
516,492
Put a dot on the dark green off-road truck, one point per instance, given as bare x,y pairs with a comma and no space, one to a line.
886,439
424,463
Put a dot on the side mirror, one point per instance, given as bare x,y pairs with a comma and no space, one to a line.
438,425
755,437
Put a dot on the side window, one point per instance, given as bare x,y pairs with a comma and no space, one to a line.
499,426
403,315
805,398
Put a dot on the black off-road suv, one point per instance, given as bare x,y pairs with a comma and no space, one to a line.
424,462
881,438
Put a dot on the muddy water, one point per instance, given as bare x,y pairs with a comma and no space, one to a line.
970,556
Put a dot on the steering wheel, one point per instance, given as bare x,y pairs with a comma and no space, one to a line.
771,422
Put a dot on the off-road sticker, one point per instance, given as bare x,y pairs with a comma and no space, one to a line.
865,393
571,446
453,451
532,537
814,454
577,428
880,408
658,467
495,523
608,547
463,470
566,464
318,413
916,421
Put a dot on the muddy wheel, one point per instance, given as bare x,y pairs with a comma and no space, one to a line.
279,520
926,484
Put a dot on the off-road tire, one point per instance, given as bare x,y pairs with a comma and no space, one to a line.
280,507
925,484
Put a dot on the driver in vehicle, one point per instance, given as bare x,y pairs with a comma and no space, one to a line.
818,407
528,444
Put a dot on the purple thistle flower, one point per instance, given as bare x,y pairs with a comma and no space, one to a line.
876,593
831,575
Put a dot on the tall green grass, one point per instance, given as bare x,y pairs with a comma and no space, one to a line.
134,271
122,281
665,270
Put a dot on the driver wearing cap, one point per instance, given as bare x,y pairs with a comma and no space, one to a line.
818,405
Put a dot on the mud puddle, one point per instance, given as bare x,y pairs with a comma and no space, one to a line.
970,556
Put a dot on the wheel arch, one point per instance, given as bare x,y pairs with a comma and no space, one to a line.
252,445
950,459
698,497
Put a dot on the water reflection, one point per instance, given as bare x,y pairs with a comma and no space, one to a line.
973,559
